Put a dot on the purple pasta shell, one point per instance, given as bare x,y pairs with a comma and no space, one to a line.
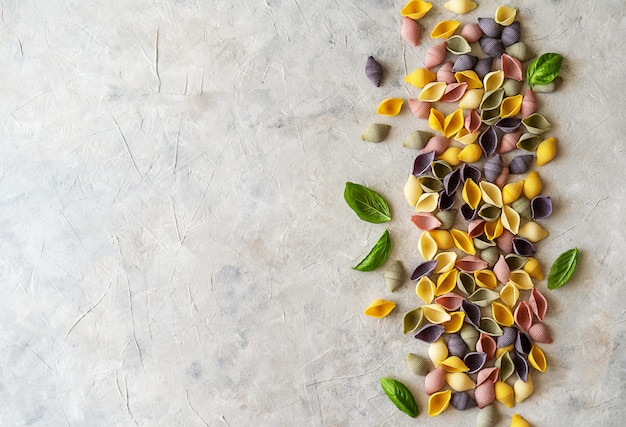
468,213
452,181
491,46
464,62
475,361
373,71
488,141
523,344
541,207
483,66
430,333
507,338
493,168
461,400
521,366
490,27
472,313
446,201
520,164
523,247
469,171
456,346
509,124
511,34
424,269
422,163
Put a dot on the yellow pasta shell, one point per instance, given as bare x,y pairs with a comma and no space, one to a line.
518,421
427,246
465,137
511,106
494,229
485,279
463,241
443,239
438,402
444,29
505,15
427,202
451,156
532,185
445,262
500,351
425,289
546,150
512,191
493,80
533,232
509,294
455,323
390,106
446,282
453,123
471,153
521,280
537,359
510,219
432,92
460,6
420,77
435,120
435,313
491,193
533,268
473,82
504,394
472,98
460,381
380,308
523,389
454,364
412,190
438,352
502,314
416,9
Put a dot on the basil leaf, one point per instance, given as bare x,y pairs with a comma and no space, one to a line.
562,269
400,396
367,204
378,255
544,69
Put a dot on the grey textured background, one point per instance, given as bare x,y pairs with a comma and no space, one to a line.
174,245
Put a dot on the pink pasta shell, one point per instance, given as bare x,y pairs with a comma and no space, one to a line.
529,103
435,55
476,227
508,142
445,73
485,394
420,109
471,32
538,303
503,177
435,380
523,316
450,301
410,31
438,144
505,242
501,270
487,375
425,221
512,67
487,345
471,263
453,92
539,332
473,121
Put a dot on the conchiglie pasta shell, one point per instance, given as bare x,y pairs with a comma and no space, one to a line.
523,316
512,87
536,124
420,109
450,302
471,32
437,144
436,120
519,50
501,270
432,92
511,34
490,117
453,123
533,268
427,245
443,239
529,103
465,283
537,359
490,327
494,229
416,140
491,193
390,106
471,263
460,381
490,255
471,99
438,351
492,99
511,106
512,191
518,421
445,73
471,193
482,297
540,333
425,289
509,142
435,55
373,71
522,206
504,394
429,333
510,219
417,364
491,46
451,156
380,308
533,232
532,186
484,394
493,80
464,62
469,334
462,401
446,282
489,212
550,87
505,15
430,184
521,280
460,6
490,27
412,320
509,294
486,279
538,303
457,45
454,364
454,91
435,313
546,151
523,389
487,417
503,177
435,380
394,275
502,314
444,29
470,153
410,31
512,67
416,9
412,190
462,241
505,366
455,324
375,132
427,202
445,262
438,402
487,374
447,218
471,78
420,77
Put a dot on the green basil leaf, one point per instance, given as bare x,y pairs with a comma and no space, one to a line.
400,396
367,204
544,69
562,269
378,255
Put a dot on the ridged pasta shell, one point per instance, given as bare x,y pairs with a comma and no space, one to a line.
488,141
447,218
487,417
509,294
445,262
511,34
455,323
470,264
471,193
450,301
529,103
454,364
435,313
451,156
472,121
523,389
429,333
505,15
464,62
483,67
416,9
471,99
511,106
521,280
494,229
417,364
430,184
523,316
412,320
425,221
490,117
438,144
471,78
471,32
465,283
452,181
435,380
453,123
425,290
456,345
541,207
512,67
462,401
504,394
533,268
522,206
492,100
490,27
438,402
373,71
523,344
512,191
490,255
437,352
482,242
539,333
482,297
546,151
444,29
472,314
489,326
536,124
416,140
487,375
390,106
518,421
505,366
509,335
468,213
493,168
457,45
502,271
460,6
520,50
476,228
550,87
394,275
420,77
532,186
454,92
432,92
460,381
533,232
537,359
426,244
376,132
538,304
505,240
509,142
493,80
435,55
491,193
521,365
443,239
420,109
445,74
423,269
512,87
491,46
510,219
469,334
470,153
486,279
427,202
489,212
529,142
484,394
446,282
502,314
516,262
520,165
380,308
435,120
462,241
475,361
410,31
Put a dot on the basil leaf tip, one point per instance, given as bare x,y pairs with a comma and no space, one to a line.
544,69
366,203
400,395
562,269
378,255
